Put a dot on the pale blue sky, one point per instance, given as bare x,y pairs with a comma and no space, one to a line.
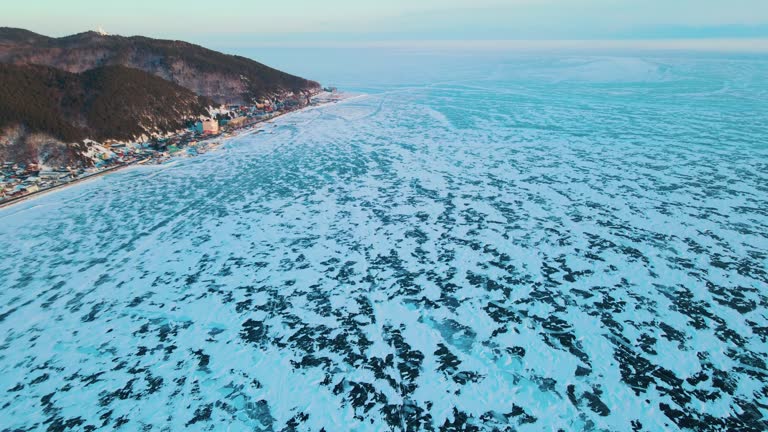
355,21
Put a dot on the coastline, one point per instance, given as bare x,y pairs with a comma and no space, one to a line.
58,187
235,134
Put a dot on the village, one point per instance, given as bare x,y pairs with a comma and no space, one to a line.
19,180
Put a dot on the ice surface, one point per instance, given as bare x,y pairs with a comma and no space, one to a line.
497,253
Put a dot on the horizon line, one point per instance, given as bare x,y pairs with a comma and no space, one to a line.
744,45
698,44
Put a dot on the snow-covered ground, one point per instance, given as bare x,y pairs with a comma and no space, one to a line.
522,250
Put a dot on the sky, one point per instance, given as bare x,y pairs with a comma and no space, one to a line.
307,22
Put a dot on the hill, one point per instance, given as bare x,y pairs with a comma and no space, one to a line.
220,77
111,102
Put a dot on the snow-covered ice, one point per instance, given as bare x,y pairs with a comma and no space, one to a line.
514,250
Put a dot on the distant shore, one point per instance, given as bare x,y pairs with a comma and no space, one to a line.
237,132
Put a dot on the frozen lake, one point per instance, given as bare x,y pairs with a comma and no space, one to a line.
576,243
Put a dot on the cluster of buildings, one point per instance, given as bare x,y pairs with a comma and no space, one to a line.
17,180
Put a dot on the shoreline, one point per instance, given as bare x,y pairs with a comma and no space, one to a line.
236,133
38,194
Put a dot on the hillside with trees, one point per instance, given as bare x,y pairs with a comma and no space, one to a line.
221,77
112,102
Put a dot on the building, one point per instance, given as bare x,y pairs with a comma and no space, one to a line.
53,175
238,121
209,126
